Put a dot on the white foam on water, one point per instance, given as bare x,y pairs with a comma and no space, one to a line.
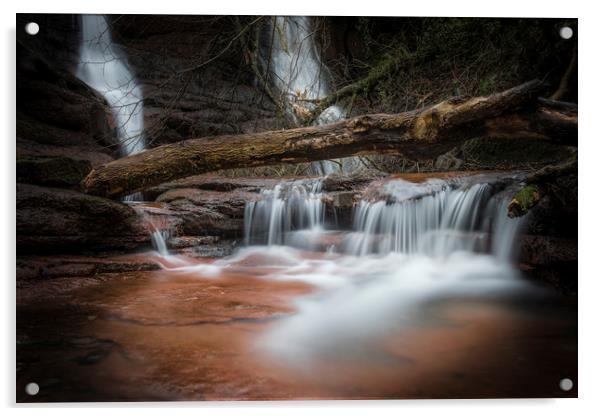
377,294
424,242
418,244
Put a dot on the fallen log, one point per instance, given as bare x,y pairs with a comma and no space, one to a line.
418,134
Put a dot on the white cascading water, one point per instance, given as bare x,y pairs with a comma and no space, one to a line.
423,244
434,218
104,68
158,226
287,214
447,221
298,72
159,238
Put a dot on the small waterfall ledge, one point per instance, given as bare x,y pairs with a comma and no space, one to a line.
435,218
288,207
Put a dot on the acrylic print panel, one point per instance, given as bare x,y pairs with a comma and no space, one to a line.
274,208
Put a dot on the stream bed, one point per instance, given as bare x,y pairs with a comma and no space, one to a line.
208,332
420,297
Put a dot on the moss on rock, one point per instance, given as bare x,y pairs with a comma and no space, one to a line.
523,201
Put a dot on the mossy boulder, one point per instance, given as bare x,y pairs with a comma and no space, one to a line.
523,201
56,171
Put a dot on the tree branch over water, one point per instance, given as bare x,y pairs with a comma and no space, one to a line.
417,134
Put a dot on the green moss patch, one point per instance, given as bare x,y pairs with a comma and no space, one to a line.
524,200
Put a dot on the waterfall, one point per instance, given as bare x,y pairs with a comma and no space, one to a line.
103,66
424,244
157,224
412,247
505,230
284,210
297,71
158,238
433,218
296,67
446,221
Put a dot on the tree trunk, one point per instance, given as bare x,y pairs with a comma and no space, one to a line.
419,134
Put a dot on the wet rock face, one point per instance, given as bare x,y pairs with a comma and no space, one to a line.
194,83
339,207
214,183
57,114
351,182
550,260
215,206
204,212
58,171
202,246
549,245
60,220
33,268
556,212
548,251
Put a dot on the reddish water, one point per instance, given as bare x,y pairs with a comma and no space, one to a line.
166,335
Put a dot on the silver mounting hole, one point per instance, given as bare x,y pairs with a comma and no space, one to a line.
566,384
32,389
565,32
32,28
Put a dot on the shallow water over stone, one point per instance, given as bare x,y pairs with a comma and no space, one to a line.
205,332
312,319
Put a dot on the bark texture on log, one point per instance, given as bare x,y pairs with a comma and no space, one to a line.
419,134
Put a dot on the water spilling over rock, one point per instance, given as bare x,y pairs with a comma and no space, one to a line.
436,217
302,78
159,238
416,245
157,224
283,210
433,218
411,246
103,66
